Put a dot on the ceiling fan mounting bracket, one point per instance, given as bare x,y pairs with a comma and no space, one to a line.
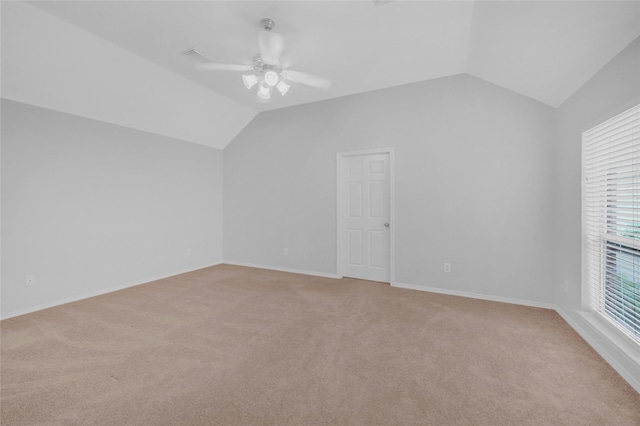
267,23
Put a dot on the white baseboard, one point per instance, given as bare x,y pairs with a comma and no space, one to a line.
476,296
276,268
96,293
611,353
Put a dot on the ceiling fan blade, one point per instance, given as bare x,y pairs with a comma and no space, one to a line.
213,66
271,47
307,79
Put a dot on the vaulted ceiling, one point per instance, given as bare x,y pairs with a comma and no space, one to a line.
545,50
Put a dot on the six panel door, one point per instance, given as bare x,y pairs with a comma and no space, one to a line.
365,236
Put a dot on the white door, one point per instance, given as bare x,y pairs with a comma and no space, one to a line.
365,182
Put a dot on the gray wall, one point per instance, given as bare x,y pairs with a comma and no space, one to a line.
612,90
474,174
89,206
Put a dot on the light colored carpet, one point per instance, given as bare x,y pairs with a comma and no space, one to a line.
236,346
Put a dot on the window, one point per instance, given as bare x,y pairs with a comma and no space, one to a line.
611,220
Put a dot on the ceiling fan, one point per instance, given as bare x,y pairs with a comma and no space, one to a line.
266,70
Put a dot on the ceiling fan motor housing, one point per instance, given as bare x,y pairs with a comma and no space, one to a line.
260,66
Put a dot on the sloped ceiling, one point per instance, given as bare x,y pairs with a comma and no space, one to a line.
545,50
53,64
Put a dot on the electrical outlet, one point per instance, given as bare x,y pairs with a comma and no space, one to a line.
30,279
285,251
187,252
566,286
447,267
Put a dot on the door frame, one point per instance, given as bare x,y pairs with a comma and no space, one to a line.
341,158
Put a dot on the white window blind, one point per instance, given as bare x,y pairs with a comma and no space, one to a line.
611,220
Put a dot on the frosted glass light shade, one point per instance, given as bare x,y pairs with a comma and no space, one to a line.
249,80
264,92
282,87
271,78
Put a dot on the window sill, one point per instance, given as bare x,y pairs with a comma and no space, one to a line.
622,343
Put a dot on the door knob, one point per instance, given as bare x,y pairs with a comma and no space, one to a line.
386,225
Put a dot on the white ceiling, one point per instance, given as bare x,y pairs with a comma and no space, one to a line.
542,49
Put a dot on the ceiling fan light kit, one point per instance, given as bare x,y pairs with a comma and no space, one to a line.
267,67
